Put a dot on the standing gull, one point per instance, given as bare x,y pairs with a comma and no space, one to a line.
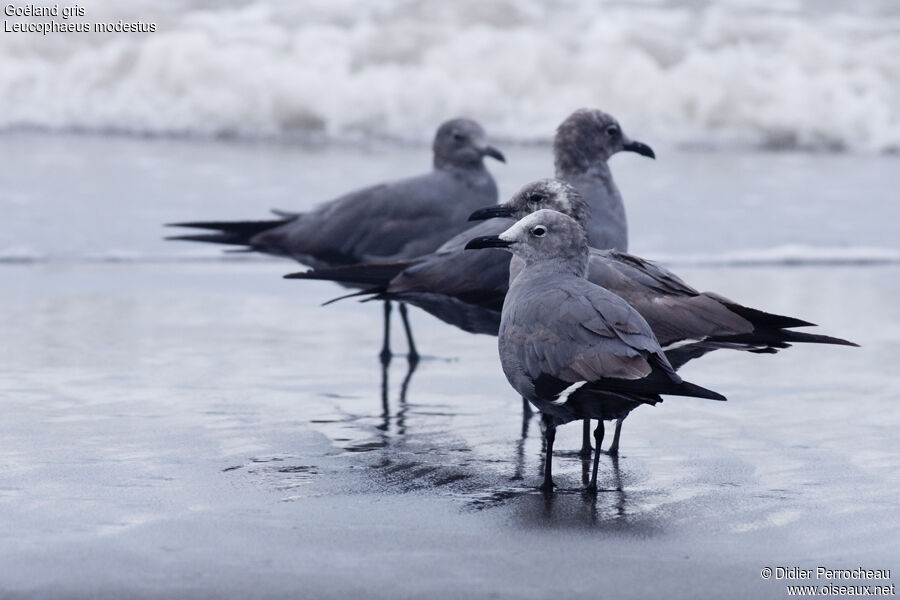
583,145
387,222
466,289
572,348
461,289
687,323
676,312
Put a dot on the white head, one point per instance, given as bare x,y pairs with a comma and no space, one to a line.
545,236
553,194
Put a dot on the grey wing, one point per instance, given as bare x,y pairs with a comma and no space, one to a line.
461,287
475,277
581,333
674,310
454,271
648,273
393,220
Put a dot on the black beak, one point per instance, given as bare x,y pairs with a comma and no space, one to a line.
493,153
488,241
642,149
483,214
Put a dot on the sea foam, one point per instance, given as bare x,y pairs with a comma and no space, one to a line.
717,74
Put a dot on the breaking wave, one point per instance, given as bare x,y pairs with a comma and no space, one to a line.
793,74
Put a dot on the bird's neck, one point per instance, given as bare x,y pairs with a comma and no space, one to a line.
606,226
575,266
596,169
466,169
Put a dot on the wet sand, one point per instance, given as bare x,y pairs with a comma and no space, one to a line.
165,435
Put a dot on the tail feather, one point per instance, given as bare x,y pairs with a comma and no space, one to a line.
813,338
285,214
237,233
654,385
374,292
765,320
781,338
661,380
212,238
375,274
686,388
680,356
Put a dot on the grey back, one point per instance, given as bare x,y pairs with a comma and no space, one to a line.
557,324
396,220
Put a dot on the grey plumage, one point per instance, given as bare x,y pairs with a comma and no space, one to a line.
676,312
572,348
582,147
391,221
466,289
470,290
688,322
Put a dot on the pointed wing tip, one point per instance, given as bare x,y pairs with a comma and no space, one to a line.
187,224
697,391
297,275
711,395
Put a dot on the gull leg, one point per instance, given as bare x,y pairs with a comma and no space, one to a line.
550,433
413,355
386,344
586,439
614,448
598,436
526,408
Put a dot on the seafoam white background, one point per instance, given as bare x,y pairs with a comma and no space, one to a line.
817,75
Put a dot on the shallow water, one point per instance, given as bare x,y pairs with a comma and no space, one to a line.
90,198
199,428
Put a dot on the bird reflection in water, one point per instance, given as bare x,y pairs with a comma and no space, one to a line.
401,400
406,461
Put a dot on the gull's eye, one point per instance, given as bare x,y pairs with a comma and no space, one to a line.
539,231
459,137
612,131
536,198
